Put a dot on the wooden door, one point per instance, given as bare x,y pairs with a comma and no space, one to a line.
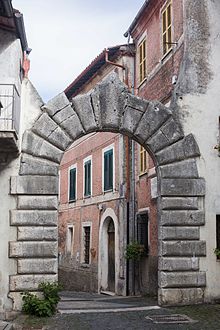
111,257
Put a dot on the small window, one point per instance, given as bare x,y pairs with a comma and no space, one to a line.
167,29
142,230
72,184
86,234
143,161
108,170
70,239
217,236
142,60
87,178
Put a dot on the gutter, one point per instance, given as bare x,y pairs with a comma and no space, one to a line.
131,27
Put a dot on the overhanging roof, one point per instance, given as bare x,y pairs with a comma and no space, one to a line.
137,17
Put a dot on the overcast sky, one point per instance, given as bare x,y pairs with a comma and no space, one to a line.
66,35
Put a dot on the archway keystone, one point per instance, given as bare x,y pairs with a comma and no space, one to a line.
110,107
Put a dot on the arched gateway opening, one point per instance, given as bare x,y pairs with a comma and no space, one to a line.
110,107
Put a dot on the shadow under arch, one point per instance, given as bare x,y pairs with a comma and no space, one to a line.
110,107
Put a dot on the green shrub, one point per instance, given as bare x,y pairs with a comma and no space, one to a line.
34,305
134,251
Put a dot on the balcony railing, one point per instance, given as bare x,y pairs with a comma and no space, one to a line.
9,108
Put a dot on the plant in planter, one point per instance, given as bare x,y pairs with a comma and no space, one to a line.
217,253
134,251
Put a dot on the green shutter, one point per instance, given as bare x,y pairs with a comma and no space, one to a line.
72,184
87,178
108,170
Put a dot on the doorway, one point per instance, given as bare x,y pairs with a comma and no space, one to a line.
111,256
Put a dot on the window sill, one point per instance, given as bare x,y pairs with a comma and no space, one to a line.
72,201
108,191
143,173
165,56
142,82
85,265
87,196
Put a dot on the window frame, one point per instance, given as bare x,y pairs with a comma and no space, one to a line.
168,27
142,61
72,167
104,151
139,221
86,224
70,239
86,160
144,170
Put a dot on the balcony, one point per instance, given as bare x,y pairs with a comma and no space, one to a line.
9,119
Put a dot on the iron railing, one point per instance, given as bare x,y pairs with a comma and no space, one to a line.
9,108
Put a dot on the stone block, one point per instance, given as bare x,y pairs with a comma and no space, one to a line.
180,150
83,107
37,202
37,266
179,203
183,187
108,100
182,279
49,130
178,264
181,296
182,218
33,218
179,233
183,169
34,185
29,282
37,146
184,248
32,249
155,115
57,103
37,233
169,133
37,166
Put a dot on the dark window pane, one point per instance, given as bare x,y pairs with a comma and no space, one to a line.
108,170
86,244
142,230
72,184
87,178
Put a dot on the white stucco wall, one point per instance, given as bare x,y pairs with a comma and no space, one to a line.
200,116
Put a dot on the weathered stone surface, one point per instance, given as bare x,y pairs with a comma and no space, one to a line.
179,203
34,185
182,279
178,264
134,110
37,146
48,129
37,166
184,248
181,296
183,169
182,218
56,104
108,100
29,282
70,122
37,233
83,107
32,249
183,187
179,233
37,266
34,218
37,202
183,149
155,115
169,133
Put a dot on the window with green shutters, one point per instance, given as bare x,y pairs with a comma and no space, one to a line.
108,170
72,184
87,178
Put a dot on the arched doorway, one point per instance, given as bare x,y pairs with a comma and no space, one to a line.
110,107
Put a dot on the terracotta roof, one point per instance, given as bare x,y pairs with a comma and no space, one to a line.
90,70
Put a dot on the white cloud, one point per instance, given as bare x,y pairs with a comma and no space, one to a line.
67,35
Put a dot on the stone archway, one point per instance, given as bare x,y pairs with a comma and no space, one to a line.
110,107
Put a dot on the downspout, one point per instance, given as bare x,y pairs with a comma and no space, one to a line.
112,63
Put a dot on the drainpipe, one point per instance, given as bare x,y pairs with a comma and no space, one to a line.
112,63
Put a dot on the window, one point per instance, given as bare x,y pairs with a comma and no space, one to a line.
143,160
218,233
108,169
87,177
142,60
72,184
167,29
70,239
142,230
86,234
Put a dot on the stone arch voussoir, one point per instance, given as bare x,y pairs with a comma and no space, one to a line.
110,107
